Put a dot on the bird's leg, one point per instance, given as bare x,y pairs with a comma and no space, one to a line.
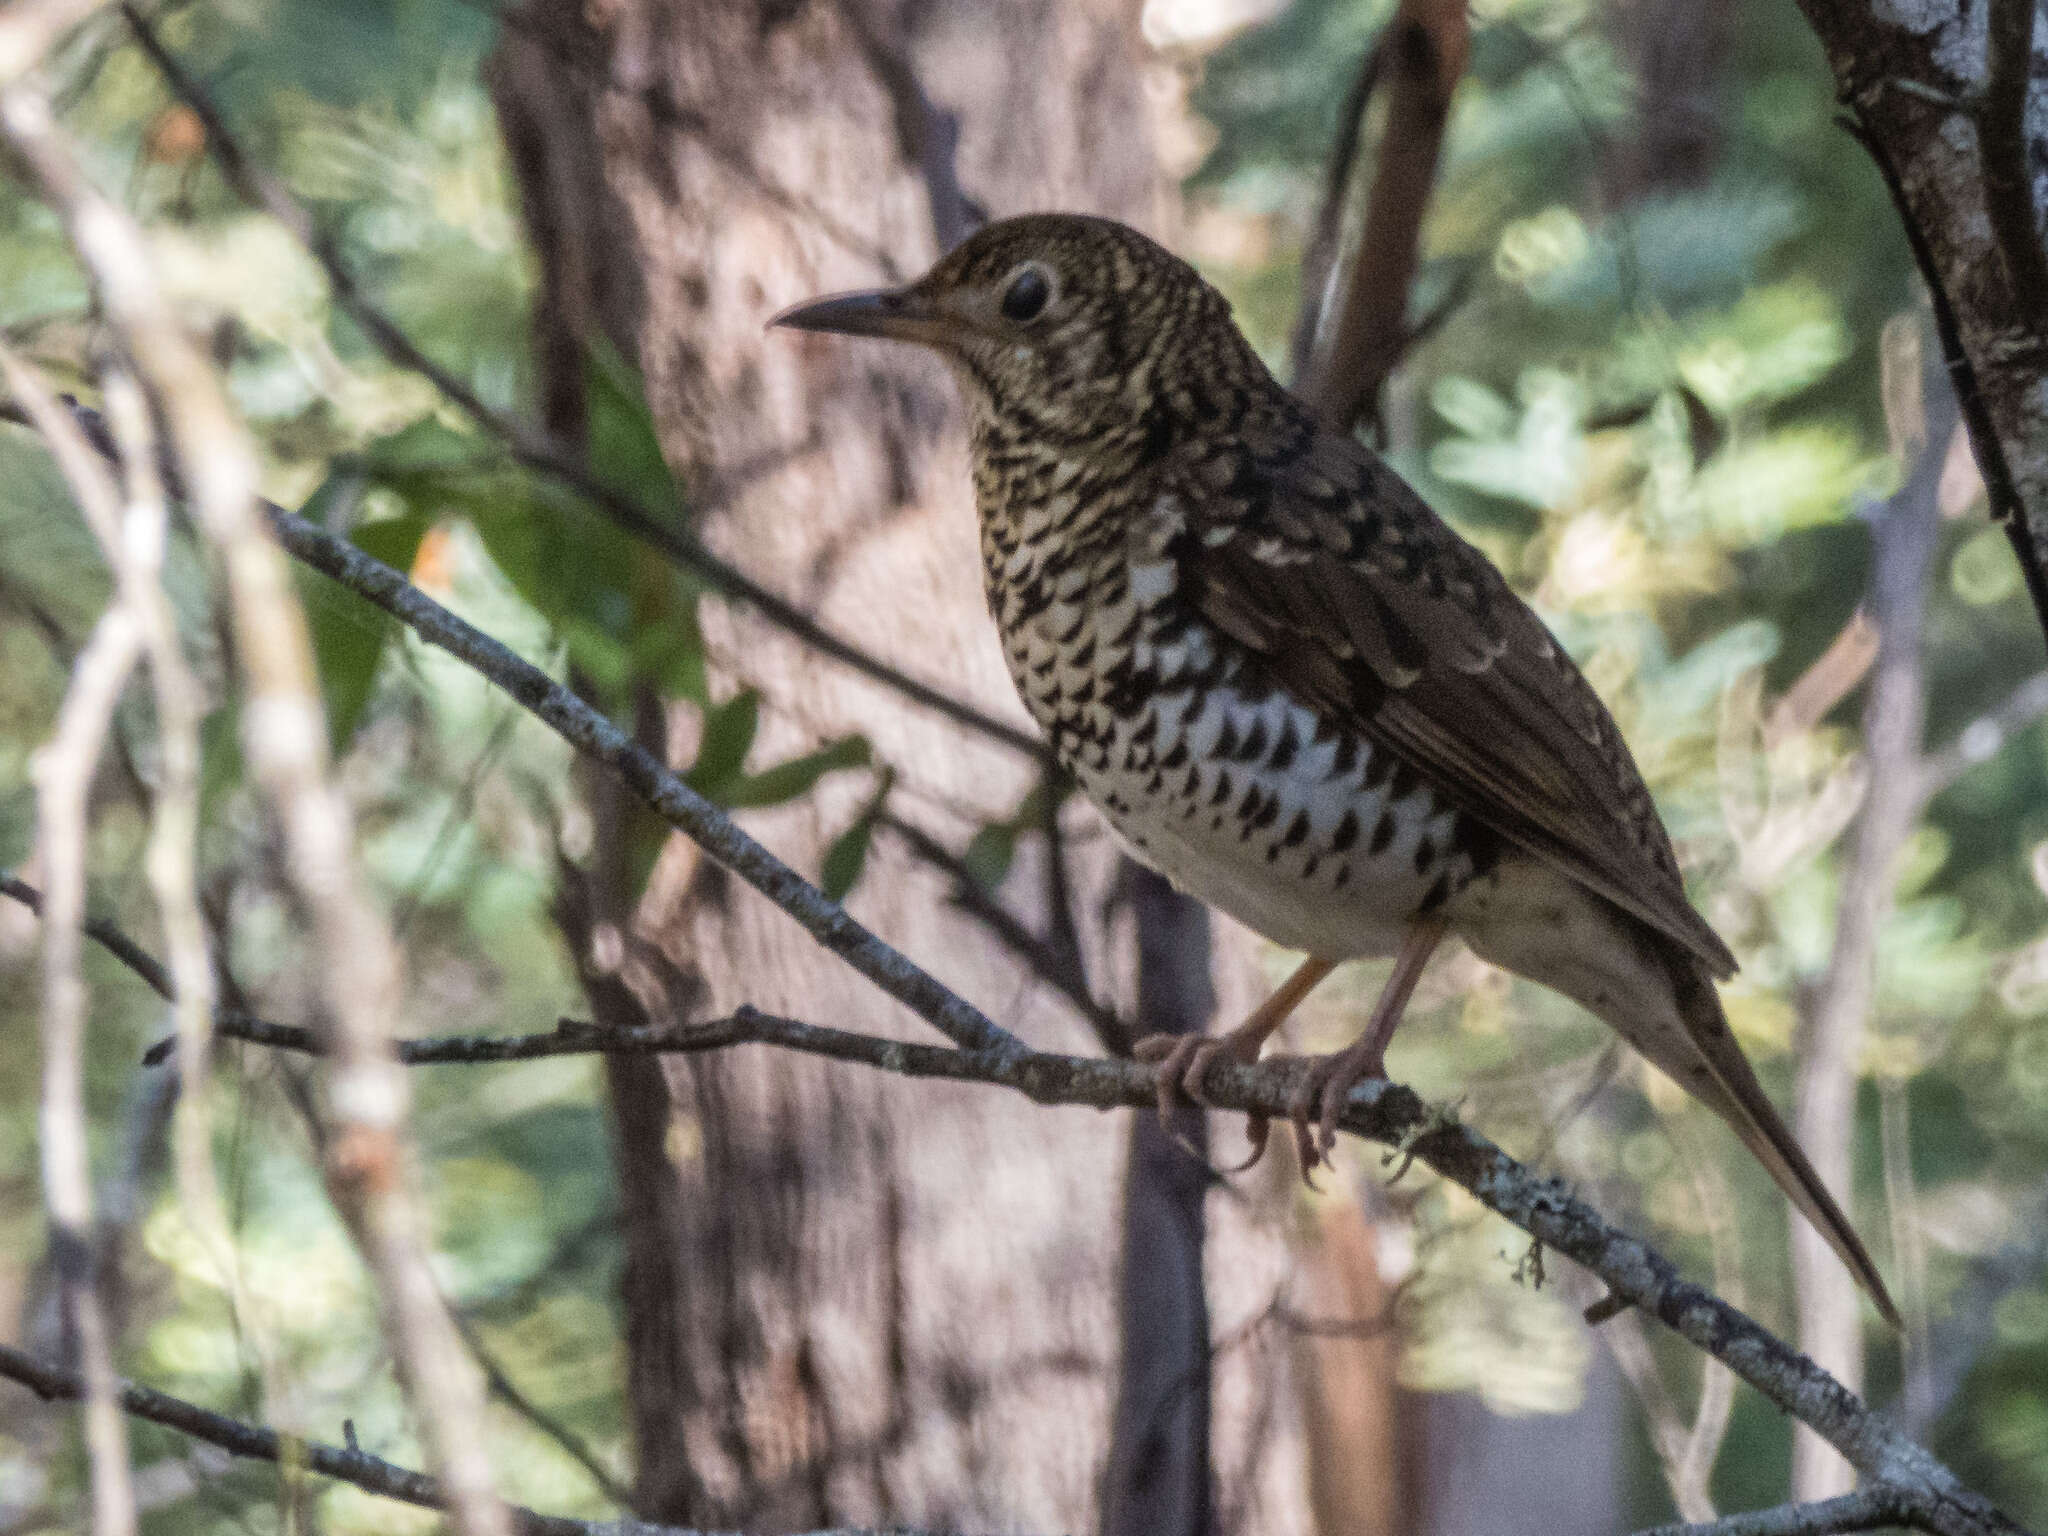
1184,1059
1330,1080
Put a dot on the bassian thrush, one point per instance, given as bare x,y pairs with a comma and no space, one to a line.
1290,686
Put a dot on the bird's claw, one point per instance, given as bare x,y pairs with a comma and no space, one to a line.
1181,1062
1319,1100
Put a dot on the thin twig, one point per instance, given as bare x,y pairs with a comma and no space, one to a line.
509,1392
527,443
101,931
284,742
677,803
373,1474
133,539
1981,739
1050,964
64,775
1904,530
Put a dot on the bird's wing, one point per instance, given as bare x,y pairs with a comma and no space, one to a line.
1361,601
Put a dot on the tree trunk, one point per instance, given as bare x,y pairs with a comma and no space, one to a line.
880,1300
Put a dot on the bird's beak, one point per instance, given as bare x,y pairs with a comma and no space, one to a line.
900,314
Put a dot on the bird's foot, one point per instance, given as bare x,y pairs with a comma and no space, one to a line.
1182,1061
1321,1096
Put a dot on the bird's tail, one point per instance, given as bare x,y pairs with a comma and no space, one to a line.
1734,1094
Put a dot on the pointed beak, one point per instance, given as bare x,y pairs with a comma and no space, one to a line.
899,314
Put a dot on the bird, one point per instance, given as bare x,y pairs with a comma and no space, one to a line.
1291,687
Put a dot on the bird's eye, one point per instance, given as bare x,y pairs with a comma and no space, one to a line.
1026,297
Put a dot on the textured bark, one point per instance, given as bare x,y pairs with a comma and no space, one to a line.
1158,1478
1949,100
873,1318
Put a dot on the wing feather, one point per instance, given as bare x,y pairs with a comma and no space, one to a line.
1364,603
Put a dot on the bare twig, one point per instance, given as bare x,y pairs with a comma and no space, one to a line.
1870,1509
1981,739
106,934
373,1474
927,134
509,1392
284,739
1903,534
685,809
527,443
64,775
1051,964
133,540
1385,1112
1634,1273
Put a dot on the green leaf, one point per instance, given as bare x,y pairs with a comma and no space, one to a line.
349,634
220,759
625,450
847,858
989,854
786,781
728,734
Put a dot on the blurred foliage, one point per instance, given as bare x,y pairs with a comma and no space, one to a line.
1659,413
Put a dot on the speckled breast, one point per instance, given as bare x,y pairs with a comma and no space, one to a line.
1313,836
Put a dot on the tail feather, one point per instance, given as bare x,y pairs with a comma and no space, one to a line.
1537,921
1734,1094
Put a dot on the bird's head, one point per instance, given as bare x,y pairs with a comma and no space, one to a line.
1068,332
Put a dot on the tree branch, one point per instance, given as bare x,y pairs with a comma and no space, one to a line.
1869,1509
1381,1111
2002,137
1634,1273
373,1474
689,812
1359,335
527,443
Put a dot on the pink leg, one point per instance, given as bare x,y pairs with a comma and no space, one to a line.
1183,1060
1331,1079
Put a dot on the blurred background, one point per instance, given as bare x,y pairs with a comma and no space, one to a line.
1670,367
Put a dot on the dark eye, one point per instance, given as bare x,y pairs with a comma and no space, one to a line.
1027,295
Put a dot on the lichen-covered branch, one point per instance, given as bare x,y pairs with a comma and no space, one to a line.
1870,1509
